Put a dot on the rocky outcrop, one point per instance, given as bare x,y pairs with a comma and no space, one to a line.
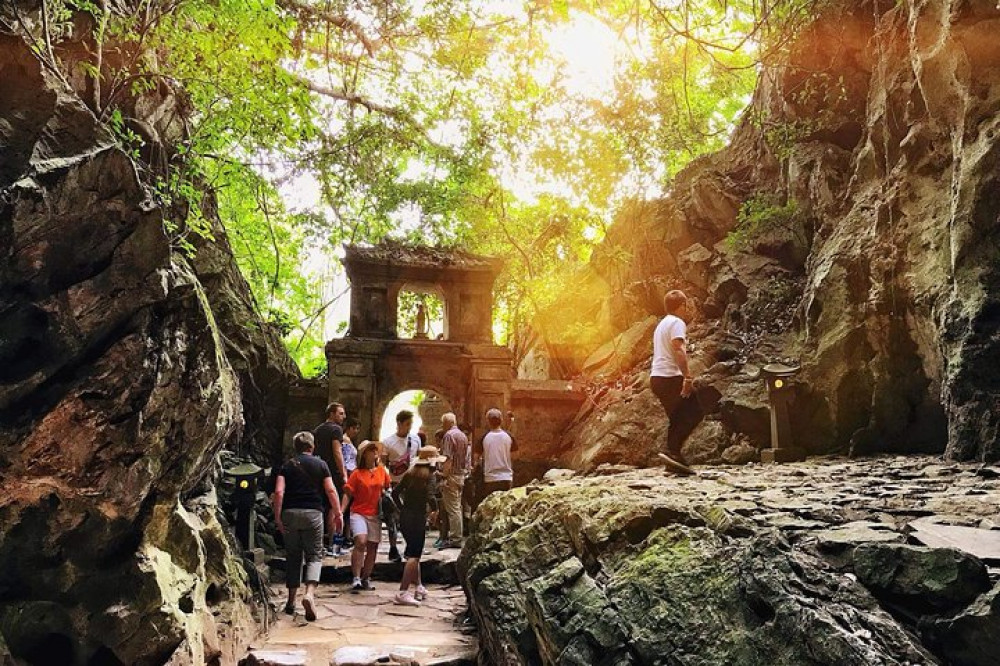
116,394
253,347
852,225
798,564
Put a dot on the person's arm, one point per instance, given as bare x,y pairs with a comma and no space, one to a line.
446,447
277,500
679,348
334,517
477,450
338,453
513,442
348,493
338,458
397,491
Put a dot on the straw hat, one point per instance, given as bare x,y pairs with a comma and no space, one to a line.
429,455
365,446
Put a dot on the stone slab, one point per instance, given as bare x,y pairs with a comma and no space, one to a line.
984,544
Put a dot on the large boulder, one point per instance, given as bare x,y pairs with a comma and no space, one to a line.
627,570
116,395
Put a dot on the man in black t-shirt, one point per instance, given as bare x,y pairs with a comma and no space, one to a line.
303,489
329,443
329,437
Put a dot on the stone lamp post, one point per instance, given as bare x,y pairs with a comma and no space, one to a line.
246,477
780,394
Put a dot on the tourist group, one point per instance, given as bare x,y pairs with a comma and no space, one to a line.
406,484
334,496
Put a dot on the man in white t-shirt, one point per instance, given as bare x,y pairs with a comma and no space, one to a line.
401,450
494,450
401,447
670,377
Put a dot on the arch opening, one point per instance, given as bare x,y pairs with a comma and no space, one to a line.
427,406
421,312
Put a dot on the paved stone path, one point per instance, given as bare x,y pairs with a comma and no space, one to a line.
832,503
359,628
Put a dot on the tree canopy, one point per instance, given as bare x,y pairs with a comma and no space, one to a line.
513,127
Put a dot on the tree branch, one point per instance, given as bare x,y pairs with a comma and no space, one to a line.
359,100
338,20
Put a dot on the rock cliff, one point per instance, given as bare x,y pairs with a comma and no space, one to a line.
852,224
786,565
124,368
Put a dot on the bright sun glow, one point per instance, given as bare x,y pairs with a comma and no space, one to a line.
589,50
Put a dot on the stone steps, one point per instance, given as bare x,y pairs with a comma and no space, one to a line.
436,566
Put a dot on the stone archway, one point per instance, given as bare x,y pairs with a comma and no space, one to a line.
371,364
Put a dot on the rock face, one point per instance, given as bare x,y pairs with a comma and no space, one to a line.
755,566
263,368
853,225
116,394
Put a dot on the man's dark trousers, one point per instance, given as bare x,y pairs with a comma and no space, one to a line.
684,413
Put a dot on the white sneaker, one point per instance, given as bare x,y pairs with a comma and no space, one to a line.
421,593
405,599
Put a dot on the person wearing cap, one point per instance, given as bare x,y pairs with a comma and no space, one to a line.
670,377
364,489
494,450
298,502
412,493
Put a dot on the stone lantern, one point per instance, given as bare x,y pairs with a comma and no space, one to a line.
780,394
246,478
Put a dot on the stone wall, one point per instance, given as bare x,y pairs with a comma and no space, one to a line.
543,410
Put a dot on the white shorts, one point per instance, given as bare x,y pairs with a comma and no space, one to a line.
370,525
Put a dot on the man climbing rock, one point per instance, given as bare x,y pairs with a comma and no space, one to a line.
670,378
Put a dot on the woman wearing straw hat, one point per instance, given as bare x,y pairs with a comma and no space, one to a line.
412,493
364,489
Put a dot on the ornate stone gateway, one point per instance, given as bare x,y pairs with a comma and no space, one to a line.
372,364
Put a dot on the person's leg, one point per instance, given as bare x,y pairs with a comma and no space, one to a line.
392,526
347,525
312,542
293,555
409,574
458,534
442,525
371,550
359,525
451,495
686,416
668,392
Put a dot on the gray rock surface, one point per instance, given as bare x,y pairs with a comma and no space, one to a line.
749,565
921,580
